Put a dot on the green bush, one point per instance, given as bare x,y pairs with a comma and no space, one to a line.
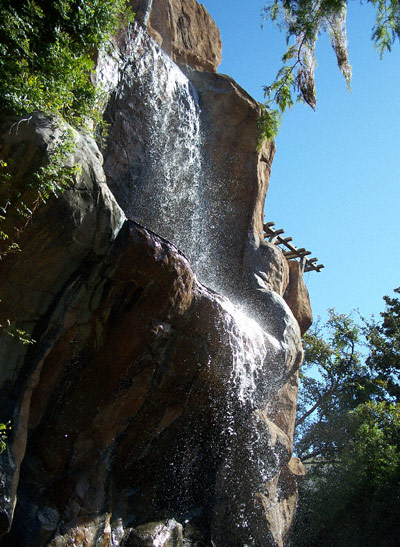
47,52
4,428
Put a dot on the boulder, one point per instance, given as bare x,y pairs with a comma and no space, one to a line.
297,297
271,269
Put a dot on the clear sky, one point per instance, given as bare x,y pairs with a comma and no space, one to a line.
335,184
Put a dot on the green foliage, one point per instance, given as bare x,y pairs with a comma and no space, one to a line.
10,329
355,500
348,433
4,429
303,21
341,383
46,63
47,51
384,341
269,123
55,177
387,27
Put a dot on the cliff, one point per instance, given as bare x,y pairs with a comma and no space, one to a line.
157,404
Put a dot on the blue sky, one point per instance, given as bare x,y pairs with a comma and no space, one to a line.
335,184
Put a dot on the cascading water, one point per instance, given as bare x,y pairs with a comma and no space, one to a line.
154,159
251,347
161,155
165,184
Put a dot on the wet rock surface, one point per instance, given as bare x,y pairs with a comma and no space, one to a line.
208,195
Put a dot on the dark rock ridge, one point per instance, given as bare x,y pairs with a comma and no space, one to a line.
151,410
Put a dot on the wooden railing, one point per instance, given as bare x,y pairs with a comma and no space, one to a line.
275,236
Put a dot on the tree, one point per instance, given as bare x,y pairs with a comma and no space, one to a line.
338,383
348,433
303,22
384,343
354,501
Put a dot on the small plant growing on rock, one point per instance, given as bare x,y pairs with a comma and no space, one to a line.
4,429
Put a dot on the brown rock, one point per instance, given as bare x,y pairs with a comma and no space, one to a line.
235,480
69,230
185,31
176,358
273,270
282,406
132,389
229,118
283,489
297,297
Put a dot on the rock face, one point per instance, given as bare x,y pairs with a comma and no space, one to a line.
184,30
77,229
297,298
151,410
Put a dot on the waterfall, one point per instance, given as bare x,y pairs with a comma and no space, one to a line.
158,174
155,164
252,350
160,181
161,164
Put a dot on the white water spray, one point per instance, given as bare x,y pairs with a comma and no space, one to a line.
162,148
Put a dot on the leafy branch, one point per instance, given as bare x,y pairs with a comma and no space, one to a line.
303,21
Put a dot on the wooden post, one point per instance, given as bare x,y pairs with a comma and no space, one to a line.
274,236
